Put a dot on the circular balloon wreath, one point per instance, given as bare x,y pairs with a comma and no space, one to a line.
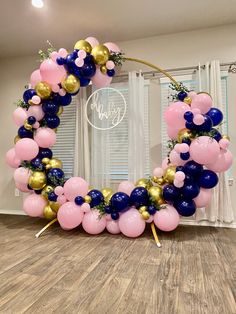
184,181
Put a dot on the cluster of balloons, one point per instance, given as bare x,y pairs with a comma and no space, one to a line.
183,182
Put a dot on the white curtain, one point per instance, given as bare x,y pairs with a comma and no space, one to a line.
220,208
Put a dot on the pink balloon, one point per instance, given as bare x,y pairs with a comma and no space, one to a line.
180,175
183,148
34,204
131,223
110,65
35,78
62,52
198,119
93,223
126,187
26,149
112,47
69,215
178,183
85,207
192,94
166,219
150,219
174,114
45,137
177,148
204,149
101,80
202,102
108,217
113,227
158,172
223,162
54,55
165,163
75,186
93,41
36,100
204,198
36,111
22,187
61,199
19,116
21,175
51,72
59,190
175,159
172,132
11,158
224,143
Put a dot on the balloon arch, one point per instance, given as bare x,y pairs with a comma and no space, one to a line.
184,181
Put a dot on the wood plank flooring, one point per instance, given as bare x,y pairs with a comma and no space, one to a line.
71,272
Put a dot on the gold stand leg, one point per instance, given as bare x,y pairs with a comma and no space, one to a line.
44,228
155,235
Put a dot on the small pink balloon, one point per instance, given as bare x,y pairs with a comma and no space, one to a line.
85,207
192,94
165,163
112,47
11,158
108,217
21,175
202,102
224,143
177,148
45,137
113,227
93,223
34,204
223,161
59,190
178,184
62,52
70,215
62,92
166,219
36,125
198,119
93,41
36,111
196,111
150,219
19,116
75,186
51,72
22,187
158,172
36,100
174,114
54,55
101,80
82,54
131,223
126,187
35,78
172,132
204,198
184,148
79,62
26,149
110,65
55,88
175,159
204,149
180,175
61,199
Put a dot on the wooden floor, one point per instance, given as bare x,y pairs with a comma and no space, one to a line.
72,272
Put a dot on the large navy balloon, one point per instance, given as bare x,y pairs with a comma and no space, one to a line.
55,176
45,153
206,126
36,163
63,100
216,116
139,197
208,179
28,94
23,132
190,190
50,107
88,69
193,168
119,201
170,193
96,196
185,207
53,121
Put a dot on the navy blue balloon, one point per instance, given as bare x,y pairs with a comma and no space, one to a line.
185,207
23,133
36,163
190,190
216,116
182,95
53,121
186,141
84,82
37,191
208,179
96,197
190,125
193,168
216,134
50,107
111,72
55,176
61,61
180,168
139,197
188,178
28,94
119,201
188,116
52,197
185,156
79,200
108,209
45,153
206,126
31,120
63,100
70,58
115,215
88,69
29,187
152,209
170,193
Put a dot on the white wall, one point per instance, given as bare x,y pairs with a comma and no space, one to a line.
168,51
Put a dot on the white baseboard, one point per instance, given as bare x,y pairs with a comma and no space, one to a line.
208,223
12,212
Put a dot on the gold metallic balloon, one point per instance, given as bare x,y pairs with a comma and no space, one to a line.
158,180
28,126
142,209
188,100
71,84
46,190
54,206
16,139
55,163
43,90
145,215
37,180
49,213
184,134
100,54
83,45
45,160
87,199
60,112
169,174
107,194
156,196
103,69
145,183
226,137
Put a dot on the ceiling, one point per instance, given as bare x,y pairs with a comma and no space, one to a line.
25,29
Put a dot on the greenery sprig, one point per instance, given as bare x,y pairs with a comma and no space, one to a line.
21,103
46,54
117,57
101,209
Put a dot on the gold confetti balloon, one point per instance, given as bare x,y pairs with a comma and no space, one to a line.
83,45
71,84
37,180
100,54
46,190
48,213
184,134
54,206
169,174
145,183
156,196
43,90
